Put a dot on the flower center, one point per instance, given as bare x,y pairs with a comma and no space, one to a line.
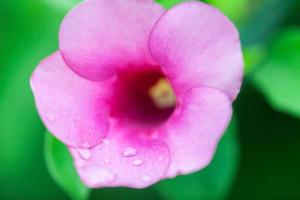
142,97
162,94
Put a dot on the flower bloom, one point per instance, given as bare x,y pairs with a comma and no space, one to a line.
137,93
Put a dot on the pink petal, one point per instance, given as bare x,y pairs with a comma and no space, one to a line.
194,130
99,36
71,107
198,46
122,160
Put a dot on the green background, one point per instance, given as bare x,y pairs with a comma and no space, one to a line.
258,157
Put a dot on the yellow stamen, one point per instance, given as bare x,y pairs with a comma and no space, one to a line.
162,94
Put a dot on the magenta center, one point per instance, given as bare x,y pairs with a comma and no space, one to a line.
142,97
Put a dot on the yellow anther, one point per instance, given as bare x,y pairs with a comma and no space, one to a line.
162,94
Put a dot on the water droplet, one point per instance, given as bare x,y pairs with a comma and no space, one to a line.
96,175
146,178
84,153
129,152
137,162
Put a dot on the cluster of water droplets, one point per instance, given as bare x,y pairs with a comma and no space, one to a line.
132,152
100,176
95,175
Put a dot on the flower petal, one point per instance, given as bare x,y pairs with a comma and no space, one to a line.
198,46
71,107
195,128
99,36
121,160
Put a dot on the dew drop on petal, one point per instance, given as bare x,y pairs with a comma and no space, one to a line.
137,162
129,152
96,175
84,153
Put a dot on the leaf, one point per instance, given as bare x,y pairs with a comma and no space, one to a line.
61,167
235,10
279,77
253,57
270,141
122,193
265,20
213,182
169,3
64,5
28,33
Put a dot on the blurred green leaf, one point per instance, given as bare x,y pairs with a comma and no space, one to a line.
237,11
253,56
279,78
63,5
213,182
265,21
269,158
28,33
61,167
120,193
169,3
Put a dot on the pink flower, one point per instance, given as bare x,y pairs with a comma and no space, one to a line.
137,93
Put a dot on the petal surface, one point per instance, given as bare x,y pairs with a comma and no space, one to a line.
198,46
122,160
194,130
72,108
99,36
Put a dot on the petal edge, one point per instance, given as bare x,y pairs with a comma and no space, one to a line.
71,107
